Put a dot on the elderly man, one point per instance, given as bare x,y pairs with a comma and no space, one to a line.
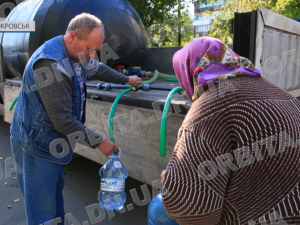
54,112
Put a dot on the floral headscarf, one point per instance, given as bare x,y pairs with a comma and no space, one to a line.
207,59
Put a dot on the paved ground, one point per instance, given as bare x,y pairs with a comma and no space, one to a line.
82,185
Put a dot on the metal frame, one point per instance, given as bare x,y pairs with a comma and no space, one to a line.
280,22
244,32
271,41
277,37
2,75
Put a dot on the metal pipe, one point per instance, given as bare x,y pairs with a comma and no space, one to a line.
117,86
107,86
92,85
14,81
144,87
161,88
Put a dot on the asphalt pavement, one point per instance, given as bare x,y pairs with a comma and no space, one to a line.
82,184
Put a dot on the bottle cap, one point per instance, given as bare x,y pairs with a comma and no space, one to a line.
116,154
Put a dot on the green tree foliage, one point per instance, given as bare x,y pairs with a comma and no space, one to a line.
187,31
164,18
153,11
220,28
289,8
157,11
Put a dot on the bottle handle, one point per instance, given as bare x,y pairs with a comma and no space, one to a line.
118,153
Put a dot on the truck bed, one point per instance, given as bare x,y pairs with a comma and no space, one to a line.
136,127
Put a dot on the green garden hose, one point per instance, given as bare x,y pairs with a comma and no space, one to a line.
13,103
154,78
163,127
172,79
112,113
166,76
157,75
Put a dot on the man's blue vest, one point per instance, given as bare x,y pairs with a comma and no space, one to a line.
31,125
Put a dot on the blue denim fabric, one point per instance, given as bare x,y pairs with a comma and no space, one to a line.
31,134
31,125
41,183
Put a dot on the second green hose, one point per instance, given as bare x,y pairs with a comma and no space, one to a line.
163,127
112,114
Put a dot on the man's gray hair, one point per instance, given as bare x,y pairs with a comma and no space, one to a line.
83,24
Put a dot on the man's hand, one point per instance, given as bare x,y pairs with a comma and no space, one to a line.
162,176
134,80
107,147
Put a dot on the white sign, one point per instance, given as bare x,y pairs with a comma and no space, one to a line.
17,26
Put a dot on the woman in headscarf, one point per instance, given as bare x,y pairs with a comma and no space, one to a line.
237,159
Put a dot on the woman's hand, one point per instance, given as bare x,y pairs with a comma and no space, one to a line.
162,176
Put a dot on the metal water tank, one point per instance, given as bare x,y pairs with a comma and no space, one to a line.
124,30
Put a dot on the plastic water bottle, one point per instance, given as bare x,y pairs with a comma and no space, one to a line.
157,214
112,190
